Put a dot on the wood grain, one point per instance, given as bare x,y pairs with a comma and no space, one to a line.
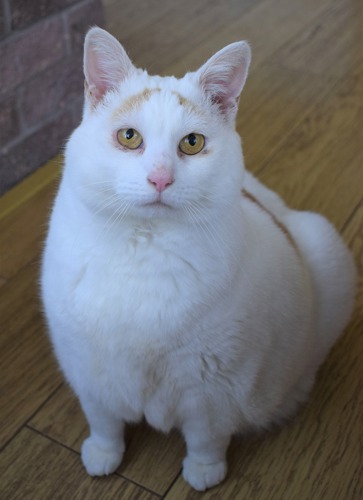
23,230
318,166
258,25
24,213
178,30
269,89
28,371
30,186
33,466
332,45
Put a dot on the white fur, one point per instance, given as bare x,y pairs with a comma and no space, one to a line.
201,315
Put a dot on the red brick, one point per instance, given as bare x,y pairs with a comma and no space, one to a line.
32,51
9,120
51,91
28,154
80,18
25,12
2,21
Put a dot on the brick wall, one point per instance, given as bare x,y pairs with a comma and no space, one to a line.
41,80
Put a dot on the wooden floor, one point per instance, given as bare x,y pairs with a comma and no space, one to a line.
301,119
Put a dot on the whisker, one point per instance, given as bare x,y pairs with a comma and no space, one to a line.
208,197
109,202
98,183
214,237
118,214
191,212
215,234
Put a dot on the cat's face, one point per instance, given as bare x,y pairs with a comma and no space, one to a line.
152,147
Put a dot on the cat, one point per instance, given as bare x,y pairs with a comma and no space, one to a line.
176,286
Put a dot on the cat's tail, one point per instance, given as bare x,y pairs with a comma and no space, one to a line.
333,273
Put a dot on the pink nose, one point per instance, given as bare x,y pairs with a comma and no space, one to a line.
161,179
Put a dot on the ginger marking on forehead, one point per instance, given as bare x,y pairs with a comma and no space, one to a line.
136,100
183,101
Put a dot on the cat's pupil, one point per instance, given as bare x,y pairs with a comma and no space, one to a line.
192,139
129,134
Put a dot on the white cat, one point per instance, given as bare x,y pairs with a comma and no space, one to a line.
176,286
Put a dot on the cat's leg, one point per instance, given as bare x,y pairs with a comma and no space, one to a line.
103,450
205,464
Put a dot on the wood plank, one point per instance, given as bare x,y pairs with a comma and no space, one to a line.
133,17
177,30
332,45
353,234
23,229
268,26
319,455
318,166
24,211
28,371
30,186
270,88
151,458
33,466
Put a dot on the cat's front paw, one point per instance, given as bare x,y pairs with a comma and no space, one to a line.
100,461
203,476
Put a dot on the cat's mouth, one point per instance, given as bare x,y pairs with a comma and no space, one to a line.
157,204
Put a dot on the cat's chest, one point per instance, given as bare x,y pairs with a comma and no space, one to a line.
143,281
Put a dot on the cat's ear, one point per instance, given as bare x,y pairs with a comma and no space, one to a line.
223,76
105,64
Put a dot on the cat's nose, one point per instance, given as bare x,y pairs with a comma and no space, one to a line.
161,178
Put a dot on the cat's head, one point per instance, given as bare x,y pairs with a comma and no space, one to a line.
152,147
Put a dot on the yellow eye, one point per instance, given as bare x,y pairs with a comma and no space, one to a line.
129,138
192,144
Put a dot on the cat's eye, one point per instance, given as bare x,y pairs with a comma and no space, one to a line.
129,138
192,144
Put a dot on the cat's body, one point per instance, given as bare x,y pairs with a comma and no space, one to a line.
181,289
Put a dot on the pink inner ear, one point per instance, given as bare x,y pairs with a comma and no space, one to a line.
97,86
224,74
225,89
95,93
224,95
106,63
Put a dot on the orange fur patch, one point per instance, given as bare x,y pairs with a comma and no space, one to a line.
183,101
135,101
